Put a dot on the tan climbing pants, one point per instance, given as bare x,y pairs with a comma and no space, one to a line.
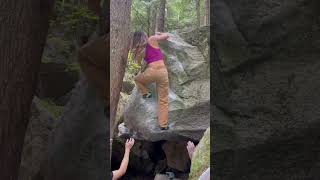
156,72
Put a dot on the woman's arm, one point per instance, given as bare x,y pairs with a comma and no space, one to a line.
125,161
159,36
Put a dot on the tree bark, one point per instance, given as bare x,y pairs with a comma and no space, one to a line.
153,19
161,16
148,19
207,12
119,46
94,6
198,12
23,31
105,18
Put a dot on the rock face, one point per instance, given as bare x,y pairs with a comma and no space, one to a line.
188,97
265,82
177,155
198,37
36,141
56,80
78,148
201,157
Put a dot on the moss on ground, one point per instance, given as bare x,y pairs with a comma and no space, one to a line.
52,107
201,157
73,67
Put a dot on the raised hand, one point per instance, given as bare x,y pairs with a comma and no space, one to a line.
129,143
191,148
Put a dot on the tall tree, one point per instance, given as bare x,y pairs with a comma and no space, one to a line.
153,18
161,16
198,12
119,45
94,6
148,19
104,18
23,31
207,13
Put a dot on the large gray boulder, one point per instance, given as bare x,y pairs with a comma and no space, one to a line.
50,84
188,97
78,148
265,83
35,148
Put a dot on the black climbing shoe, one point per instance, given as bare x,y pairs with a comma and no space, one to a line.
164,128
170,175
148,95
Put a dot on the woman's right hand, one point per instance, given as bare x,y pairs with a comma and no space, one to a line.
129,143
191,148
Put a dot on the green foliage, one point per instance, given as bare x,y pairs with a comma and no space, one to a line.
73,18
73,67
52,107
201,157
179,14
132,66
57,47
139,14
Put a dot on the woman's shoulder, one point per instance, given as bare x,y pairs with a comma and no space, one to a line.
152,39
152,42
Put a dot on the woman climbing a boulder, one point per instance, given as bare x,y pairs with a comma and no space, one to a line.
147,48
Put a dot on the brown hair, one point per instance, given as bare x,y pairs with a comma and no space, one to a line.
138,46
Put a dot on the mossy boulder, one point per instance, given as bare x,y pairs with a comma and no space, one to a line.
201,157
189,81
56,79
198,37
35,152
52,107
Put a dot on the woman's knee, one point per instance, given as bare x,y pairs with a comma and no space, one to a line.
163,101
135,78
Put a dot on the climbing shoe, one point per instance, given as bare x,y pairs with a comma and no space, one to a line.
148,95
170,175
164,128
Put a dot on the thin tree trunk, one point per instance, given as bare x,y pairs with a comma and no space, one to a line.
161,16
198,12
23,31
153,19
148,19
207,12
105,18
94,6
119,46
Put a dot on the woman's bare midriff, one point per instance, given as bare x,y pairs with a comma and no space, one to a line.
157,64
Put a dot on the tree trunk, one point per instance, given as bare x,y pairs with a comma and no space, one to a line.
119,46
82,3
23,31
148,19
161,16
198,12
207,12
94,6
153,19
104,18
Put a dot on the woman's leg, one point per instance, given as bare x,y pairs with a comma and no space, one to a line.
163,90
142,79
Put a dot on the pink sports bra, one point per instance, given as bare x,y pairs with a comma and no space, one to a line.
152,54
